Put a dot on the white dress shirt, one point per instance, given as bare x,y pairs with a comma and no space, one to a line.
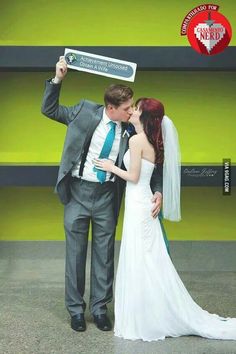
98,139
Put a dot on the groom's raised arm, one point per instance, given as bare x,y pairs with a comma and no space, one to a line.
50,105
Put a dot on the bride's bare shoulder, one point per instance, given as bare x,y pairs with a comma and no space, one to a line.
137,139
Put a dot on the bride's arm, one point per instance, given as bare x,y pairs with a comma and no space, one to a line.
133,173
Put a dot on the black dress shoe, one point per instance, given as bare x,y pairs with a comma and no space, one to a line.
102,322
78,323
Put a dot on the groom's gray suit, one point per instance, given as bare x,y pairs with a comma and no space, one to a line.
87,201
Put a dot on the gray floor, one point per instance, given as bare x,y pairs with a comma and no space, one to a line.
33,318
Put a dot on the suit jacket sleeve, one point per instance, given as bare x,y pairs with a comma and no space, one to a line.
157,179
51,107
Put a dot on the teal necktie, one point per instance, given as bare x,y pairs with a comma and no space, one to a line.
106,149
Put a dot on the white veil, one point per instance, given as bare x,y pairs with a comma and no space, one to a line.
171,171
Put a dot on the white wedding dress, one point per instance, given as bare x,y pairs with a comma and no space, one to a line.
151,302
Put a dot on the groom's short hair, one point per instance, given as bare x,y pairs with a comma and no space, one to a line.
117,94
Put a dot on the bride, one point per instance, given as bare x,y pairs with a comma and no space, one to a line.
151,302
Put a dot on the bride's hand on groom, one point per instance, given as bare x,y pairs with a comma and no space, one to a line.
104,164
156,200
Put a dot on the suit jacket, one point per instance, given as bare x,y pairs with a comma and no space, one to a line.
82,120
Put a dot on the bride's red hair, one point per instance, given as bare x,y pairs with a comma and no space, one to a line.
151,119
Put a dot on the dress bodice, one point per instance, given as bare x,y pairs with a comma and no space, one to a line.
146,169
141,189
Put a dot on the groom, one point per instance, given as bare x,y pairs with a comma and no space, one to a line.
91,195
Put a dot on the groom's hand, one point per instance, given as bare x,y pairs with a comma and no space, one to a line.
157,200
61,70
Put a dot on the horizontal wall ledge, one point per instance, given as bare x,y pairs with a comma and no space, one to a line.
43,58
194,175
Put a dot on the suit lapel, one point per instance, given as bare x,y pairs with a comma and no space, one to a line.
94,123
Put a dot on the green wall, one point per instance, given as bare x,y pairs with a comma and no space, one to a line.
32,213
92,22
202,105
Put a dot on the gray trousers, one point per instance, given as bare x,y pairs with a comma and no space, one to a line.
90,201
